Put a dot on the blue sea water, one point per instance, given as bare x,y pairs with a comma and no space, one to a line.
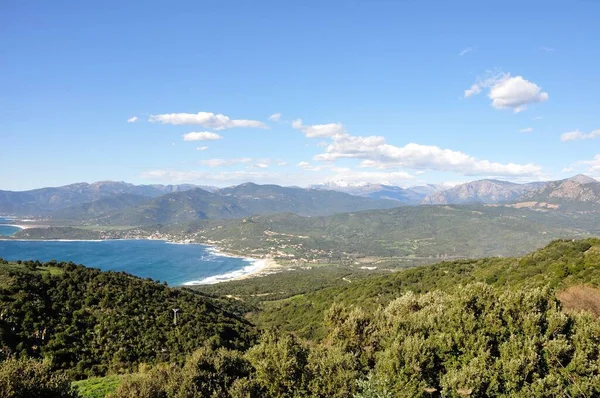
7,230
176,264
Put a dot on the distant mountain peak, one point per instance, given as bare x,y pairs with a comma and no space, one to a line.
481,191
582,179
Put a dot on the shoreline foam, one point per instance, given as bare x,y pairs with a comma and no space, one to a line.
256,268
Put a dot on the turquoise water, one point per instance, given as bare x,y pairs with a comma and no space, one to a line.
7,230
159,260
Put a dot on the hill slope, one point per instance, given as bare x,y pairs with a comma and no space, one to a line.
236,202
91,322
560,265
423,232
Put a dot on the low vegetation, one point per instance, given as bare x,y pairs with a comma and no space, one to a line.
497,327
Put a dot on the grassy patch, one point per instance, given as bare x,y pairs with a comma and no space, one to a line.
98,387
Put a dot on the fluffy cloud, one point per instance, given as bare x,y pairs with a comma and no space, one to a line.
261,166
202,148
205,119
376,153
275,117
224,162
132,119
526,130
508,92
319,130
201,136
578,135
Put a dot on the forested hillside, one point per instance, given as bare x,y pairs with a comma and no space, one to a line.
559,265
487,328
90,322
482,328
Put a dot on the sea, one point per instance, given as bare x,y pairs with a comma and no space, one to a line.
176,264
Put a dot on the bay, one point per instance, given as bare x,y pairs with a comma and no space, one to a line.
7,230
175,264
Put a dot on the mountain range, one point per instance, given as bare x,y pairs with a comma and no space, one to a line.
482,191
45,201
119,203
408,196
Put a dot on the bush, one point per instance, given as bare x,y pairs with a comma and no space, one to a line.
27,378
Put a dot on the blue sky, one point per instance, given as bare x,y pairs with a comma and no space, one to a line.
401,92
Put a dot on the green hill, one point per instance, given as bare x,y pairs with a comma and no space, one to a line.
495,327
99,207
484,328
559,265
235,202
90,322
422,232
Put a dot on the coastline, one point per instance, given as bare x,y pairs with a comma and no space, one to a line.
23,227
257,267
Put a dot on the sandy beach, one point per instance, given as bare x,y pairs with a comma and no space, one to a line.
256,268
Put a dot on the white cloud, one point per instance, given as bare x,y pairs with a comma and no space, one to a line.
132,119
261,166
202,148
516,93
526,130
224,162
568,169
205,119
465,51
201,136
282,163
594,164
508,92
547,49
376,153
319,130
486,81
578,135
275,117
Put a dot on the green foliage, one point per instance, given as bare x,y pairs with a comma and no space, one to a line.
477,341
480,328
481,341
561,264
97,387
91,322
27,378
281,364
423,233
